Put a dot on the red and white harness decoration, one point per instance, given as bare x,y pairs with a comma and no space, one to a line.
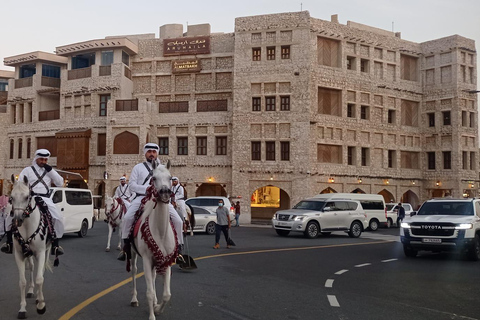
113,221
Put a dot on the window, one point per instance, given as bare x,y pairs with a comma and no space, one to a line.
464,160
27,70
391,116
270,150
447,160
472,160
211,105
221,146
409,113
464,118
431,119
328,52
104,98
256,150
107,58
365,157
3,85
351,110
410,160
285,150
20,147
84,60
408,67
202,146
431,160
256,54
101,144
29,147
285,103
472,119
351,156
365,112
126,143
126,105
270,53
173,106
285,52
12,145
270,103
392,158
163,146
329,101
329,153
446,118
256,104
364,64
350,63
50,71
182,146
125,58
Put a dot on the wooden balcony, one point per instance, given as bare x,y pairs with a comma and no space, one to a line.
126,105
105,70
51,82
48,115
23,83
79,73
128,73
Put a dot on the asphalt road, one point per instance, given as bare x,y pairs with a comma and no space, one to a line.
264,277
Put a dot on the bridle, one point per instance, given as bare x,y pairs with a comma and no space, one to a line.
157,194
28,210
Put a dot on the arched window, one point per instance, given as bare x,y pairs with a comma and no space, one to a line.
12,145
20,147
126,143
29,146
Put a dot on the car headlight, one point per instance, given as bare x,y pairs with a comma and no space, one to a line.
464,226
298,218
405,225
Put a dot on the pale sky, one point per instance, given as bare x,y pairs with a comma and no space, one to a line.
32,25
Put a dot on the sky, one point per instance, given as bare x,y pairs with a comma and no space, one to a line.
32,25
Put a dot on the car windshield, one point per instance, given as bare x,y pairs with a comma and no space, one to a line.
310,205
460,208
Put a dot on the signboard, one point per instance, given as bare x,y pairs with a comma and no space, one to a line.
181,46
186,66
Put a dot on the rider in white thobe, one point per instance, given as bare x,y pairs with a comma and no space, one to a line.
123,191
179,192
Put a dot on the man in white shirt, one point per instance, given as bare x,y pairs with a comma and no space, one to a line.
179,193
123,192
40,177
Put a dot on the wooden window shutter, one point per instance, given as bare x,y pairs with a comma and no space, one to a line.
126,143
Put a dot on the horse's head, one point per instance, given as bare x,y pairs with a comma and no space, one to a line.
109,204
162,182
20,200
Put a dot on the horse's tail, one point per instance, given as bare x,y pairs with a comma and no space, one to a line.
48,260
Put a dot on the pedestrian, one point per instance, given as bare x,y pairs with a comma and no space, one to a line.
400,214
138,183
222,225
237,213
40,177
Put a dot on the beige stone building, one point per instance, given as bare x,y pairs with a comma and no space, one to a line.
285,107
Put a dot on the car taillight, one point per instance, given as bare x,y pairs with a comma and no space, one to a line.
232,209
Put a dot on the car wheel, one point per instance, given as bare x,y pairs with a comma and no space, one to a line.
474,253
409,251
312,230
389,223
282,233
83,229
355,230
373,225
325,233
210,229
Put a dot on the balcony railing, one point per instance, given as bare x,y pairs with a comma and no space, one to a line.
51,82
126,105
128,73
24,82
80,73
105,70
48,115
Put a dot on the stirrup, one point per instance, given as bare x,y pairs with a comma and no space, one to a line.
122,256
58,251
180,260
7,248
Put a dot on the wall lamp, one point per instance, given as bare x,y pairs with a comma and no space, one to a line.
331,180
438,183
210,179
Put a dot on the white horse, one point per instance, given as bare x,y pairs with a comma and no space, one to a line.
156,241
114,210
30,229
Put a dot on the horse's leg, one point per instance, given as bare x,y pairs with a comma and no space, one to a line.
110,230
119,247
149,278
156,306
31,285
20,260
134,301
41,259
166,289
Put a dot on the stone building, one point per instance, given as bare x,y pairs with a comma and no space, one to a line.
285,107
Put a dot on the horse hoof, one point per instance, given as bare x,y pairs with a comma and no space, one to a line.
107,250
134,303
119,248
42,311
29,295
22,315
156,309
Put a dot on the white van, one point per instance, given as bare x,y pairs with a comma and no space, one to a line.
373,204
76,206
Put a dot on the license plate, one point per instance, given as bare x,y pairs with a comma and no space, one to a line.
281,223
428,240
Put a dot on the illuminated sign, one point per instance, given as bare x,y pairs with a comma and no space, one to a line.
185,66
180,46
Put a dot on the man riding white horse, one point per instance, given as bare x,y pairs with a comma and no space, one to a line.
138,183
179,197
40,176
123,192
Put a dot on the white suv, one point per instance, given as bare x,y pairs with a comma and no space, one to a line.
443,225
314,216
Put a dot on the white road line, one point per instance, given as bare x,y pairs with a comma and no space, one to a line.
329,283
362,265
389,260
341,271
333,301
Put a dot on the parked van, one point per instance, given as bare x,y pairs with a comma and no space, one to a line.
76,206
373,204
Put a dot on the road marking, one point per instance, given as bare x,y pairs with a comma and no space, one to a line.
92,299
333,301
329,283
362,265
341,271
389,260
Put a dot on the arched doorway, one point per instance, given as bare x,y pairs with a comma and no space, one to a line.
358,190
265,201
328,190
412,198
99,201
211,189
387,196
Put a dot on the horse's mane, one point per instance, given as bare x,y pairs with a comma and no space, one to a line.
21,186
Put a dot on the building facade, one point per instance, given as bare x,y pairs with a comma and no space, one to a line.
285,107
